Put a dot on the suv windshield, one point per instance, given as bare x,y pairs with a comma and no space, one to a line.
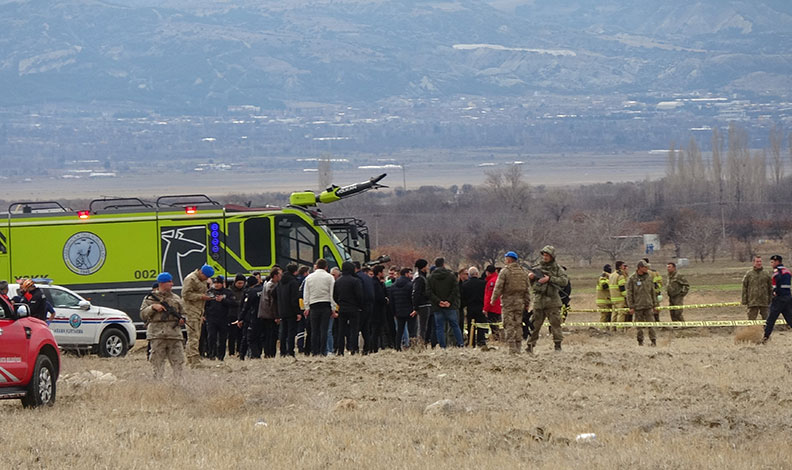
61,298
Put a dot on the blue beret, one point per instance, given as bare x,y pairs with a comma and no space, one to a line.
164,277
207,270
512,254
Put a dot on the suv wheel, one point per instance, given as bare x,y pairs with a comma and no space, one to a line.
113,343
41,389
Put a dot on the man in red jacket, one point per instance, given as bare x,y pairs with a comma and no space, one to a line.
493,310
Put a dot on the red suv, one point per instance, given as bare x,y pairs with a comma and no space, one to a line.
29,358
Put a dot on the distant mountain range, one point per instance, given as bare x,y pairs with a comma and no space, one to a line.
200,56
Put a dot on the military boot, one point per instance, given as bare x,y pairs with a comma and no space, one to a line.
558,346
514,348
529,349
654,343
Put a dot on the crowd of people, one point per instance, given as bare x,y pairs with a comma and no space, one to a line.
326,310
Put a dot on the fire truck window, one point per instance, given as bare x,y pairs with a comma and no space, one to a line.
328,255
258,242
296,241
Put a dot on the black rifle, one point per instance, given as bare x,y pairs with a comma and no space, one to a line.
169,310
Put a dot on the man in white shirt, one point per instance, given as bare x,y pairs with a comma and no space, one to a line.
318,300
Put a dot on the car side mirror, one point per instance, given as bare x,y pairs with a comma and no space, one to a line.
22,311
84,305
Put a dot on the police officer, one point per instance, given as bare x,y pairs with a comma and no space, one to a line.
782,296
163,312
547,297
216,315
514,289
194,291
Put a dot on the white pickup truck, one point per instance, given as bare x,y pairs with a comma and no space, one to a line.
78,325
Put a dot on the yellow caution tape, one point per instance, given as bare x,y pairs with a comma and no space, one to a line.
670,324
648,324
664,307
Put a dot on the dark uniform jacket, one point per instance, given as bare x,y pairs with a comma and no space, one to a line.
219,312
37,303
348,293
420,297
472,294
288,296
400,294
249,309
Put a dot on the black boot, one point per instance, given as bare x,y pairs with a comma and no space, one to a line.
558,346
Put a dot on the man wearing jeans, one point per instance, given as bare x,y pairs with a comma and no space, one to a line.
318,300
443,289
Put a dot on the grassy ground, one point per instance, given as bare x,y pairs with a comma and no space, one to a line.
700,399
692,402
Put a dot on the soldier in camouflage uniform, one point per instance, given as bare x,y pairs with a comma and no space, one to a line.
677,288
162,311
547,297
194,292
642,299
757,290
514,290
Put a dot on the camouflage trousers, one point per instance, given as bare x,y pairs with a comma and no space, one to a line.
553,315
193,337
512,326
645,315
676,315
753,312
170,349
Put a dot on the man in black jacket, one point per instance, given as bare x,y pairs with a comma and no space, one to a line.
348,295
247,321
367,311
34,298
237,288
401,301
288,297
216,314
472,294
421,304
378,318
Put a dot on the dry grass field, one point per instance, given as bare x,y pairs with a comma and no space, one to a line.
692,402
700,399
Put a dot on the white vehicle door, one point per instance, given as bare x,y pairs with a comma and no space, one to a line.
72,325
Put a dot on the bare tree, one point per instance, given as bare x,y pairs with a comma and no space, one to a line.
558,202
486,247
776,162
508,186
738,162
703,237
671,162
717,162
